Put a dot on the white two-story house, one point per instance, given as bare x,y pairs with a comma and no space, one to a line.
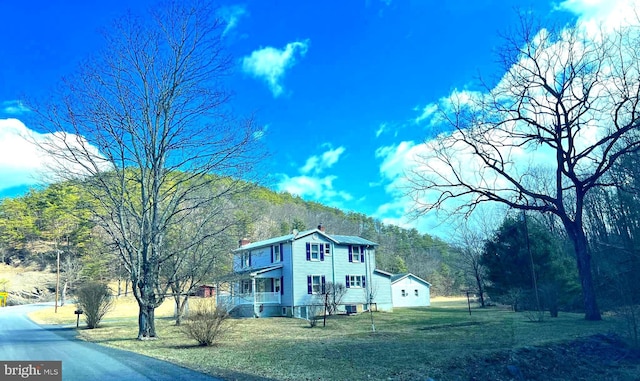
286,276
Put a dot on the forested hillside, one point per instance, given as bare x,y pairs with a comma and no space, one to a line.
504,263
35,227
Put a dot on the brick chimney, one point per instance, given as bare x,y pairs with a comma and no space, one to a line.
244,242
321,228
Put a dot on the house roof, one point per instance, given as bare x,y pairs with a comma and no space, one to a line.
397,277
352,240
339,239
383,273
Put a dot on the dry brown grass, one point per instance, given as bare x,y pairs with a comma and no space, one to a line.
22,282
125,308
409,343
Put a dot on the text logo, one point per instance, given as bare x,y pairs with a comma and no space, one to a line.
31,370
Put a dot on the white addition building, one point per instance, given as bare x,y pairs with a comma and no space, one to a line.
410,291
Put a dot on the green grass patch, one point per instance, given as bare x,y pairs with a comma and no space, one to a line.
408,344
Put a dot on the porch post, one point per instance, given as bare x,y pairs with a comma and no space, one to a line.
253,289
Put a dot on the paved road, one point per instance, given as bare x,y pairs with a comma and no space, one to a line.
21,339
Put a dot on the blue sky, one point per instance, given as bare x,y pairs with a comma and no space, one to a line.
343,88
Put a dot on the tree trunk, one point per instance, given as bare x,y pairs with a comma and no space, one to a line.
583,258
146,322
480,289
63,294
181,304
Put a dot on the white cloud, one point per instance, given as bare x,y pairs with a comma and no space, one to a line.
314,187
317,164
602,15
22,162
270,64
432,113
231,15
258,135
14,107
381,129
312,184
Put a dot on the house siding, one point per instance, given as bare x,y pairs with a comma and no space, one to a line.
410,284
343,268
302,268
381,288
333,267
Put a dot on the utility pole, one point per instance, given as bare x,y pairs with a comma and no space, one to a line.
57,280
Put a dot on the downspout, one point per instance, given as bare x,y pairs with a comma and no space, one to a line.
369,276
293,294
333,269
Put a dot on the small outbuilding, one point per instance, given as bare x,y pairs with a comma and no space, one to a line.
409,290
206,291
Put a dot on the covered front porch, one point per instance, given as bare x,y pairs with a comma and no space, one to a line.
257,293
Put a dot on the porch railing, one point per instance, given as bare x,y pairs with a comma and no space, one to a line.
240,299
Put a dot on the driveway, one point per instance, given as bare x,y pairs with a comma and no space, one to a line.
22,339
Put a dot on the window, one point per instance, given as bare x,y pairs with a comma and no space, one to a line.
404,293
315,284
277,256
246,286
276,285
245,260
327,249
355,281
355,253
315,251
415,292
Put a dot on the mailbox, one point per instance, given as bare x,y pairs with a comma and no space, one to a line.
78,312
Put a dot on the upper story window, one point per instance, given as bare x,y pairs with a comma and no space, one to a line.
245,259
356,253
315,251
277,255
327,249
416,292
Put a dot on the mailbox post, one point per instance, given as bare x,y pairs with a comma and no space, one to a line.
78,312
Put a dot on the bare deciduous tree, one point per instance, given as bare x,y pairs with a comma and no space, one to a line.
199,259
469,245
146,125
563,114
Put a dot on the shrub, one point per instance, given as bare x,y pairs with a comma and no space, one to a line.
95,300
207,322
314,314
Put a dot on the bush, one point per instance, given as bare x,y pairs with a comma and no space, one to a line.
207,322
95,300
314,314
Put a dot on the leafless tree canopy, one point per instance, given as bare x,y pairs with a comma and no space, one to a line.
566,110
146,124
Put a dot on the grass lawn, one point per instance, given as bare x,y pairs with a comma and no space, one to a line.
408,344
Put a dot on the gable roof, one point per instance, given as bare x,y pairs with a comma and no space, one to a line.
398,277
382,272
338,239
